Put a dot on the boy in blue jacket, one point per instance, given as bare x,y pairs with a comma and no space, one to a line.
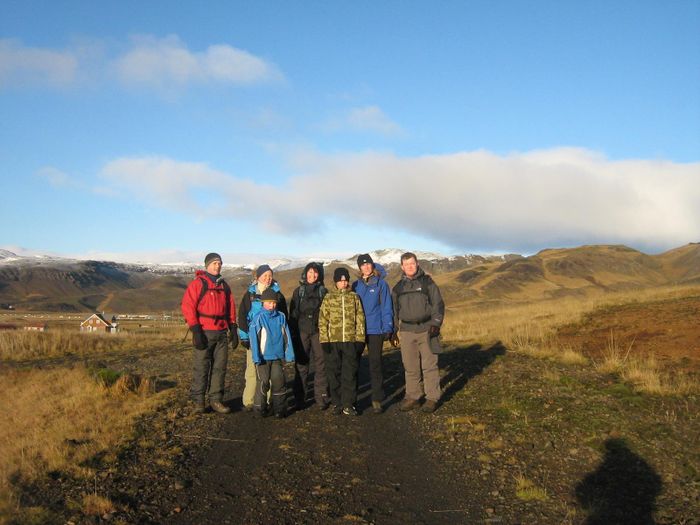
270,343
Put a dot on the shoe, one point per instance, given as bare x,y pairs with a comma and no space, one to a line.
350,411
218,406
337,410
377,407
257,413
281,415
429,406
408,404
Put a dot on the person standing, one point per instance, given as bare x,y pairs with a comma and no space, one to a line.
270,343
375,295
210,312
250,306
418,314
303,323
341,327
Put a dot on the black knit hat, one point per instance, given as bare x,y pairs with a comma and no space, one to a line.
262,269
211,257
364,258
339,273
268,295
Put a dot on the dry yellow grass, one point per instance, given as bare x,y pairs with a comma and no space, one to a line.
18,345
530,328
56,419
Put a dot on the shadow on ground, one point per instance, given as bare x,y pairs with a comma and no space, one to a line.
623,489
458,366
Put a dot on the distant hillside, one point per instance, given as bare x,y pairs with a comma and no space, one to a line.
55,284
572,271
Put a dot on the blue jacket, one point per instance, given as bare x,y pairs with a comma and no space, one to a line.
376,302
251,305
270,337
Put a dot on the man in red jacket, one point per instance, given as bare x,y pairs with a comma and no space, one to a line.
210,312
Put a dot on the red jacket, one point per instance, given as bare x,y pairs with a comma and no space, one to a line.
216,310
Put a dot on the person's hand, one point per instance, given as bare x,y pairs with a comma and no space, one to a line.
199,340
233,335
394,339
246,343
434,331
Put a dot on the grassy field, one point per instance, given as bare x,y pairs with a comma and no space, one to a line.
537,417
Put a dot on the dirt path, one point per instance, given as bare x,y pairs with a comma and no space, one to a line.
317,467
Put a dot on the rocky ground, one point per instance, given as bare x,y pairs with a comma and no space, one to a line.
516,440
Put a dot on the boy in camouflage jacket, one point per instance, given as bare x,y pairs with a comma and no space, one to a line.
341,327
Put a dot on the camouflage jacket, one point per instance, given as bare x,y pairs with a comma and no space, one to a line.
341,319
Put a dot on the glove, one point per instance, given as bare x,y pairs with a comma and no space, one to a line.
246,343
199,340
394,340
434,331
233,335
387,336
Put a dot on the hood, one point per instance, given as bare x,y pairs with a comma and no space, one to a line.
381,272
317,266
203,273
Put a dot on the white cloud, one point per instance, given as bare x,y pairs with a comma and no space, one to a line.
372,118
21,65
160,63
521,201
363,119
55,177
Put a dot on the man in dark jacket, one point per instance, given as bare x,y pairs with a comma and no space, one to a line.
418,314
210,312
303,323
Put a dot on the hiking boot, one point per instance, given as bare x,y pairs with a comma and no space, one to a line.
377,407
350,411
218,406
198,406
337,410
408,404
429,406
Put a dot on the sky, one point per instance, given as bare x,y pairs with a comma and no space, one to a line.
156,130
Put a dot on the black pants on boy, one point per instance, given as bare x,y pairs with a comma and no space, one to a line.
341,368
271,373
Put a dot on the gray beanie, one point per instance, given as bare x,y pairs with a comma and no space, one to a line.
211,257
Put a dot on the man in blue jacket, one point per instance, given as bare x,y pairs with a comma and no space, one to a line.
379,320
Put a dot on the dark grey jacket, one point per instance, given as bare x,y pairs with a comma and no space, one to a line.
417,303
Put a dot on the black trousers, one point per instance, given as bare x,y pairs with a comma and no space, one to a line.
308,357
209,367
375,343
341,369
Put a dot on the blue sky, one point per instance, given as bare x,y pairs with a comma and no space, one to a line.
150,130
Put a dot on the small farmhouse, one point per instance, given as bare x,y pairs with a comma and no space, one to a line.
36,327
97,323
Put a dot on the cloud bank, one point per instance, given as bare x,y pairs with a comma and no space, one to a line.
523,201
21,65
149,62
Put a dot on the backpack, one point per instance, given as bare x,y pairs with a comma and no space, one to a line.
205,289
425,281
